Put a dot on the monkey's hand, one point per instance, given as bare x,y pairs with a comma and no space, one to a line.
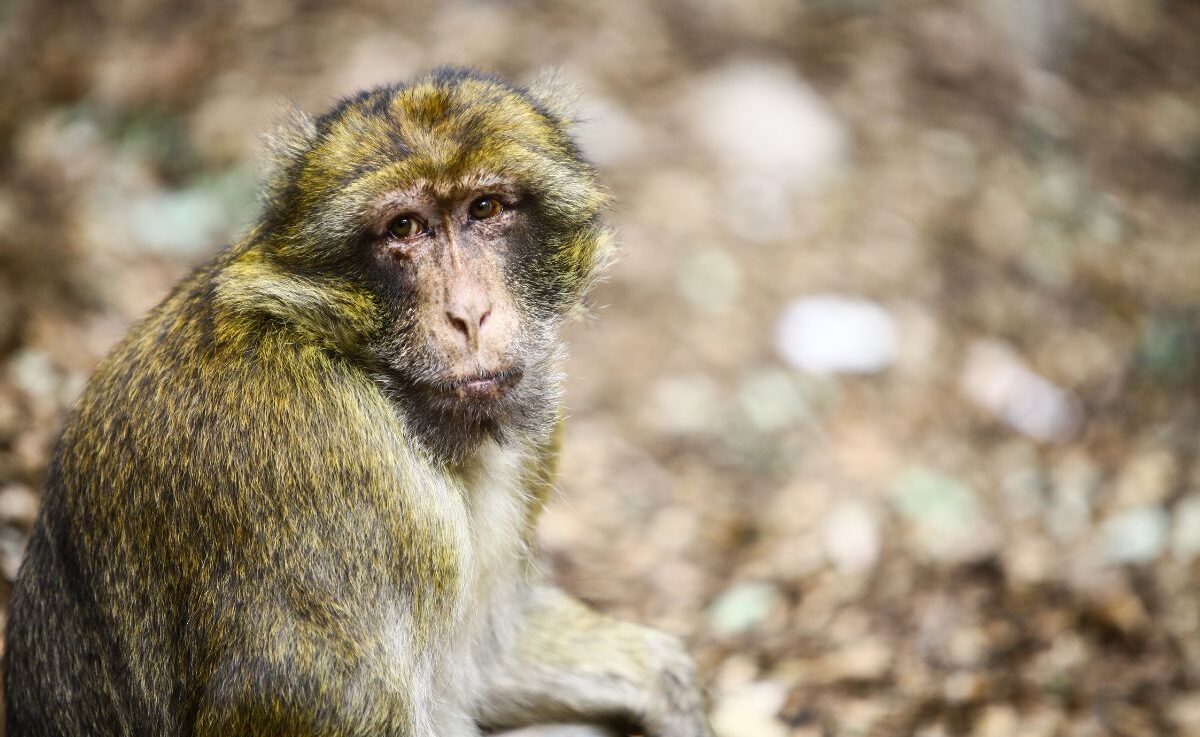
571,664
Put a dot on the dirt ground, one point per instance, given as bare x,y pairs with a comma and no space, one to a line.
889,406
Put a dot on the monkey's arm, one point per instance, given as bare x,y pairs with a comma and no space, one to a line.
571,664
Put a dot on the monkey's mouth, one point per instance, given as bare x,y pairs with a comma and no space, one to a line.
483,386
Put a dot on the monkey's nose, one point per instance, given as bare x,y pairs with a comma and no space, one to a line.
469,320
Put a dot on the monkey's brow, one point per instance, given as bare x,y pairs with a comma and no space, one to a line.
422,192
451,189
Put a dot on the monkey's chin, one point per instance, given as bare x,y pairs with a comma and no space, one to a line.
451,416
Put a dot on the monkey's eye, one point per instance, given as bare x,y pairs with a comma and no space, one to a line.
406,226
486,207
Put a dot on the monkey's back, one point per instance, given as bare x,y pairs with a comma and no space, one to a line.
198,479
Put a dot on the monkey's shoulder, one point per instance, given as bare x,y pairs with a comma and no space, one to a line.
173,411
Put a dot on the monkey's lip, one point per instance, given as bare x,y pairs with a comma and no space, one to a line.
487,385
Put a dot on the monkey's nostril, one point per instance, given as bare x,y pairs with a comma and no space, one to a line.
459,324
465,322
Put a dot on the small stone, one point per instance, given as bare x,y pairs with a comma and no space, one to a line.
1121,608
711,281
1022,493
997,721
1057,665
859,717
1169,350
963,686
950,162
946,522
1045,721
737,671
868,659
934,499
1069,515
194,220
32,372
751,711
768,123
743,607
1146,479
1135,536
1184,712
1029,559
997,379
832,334
18,504
852,539
773,400
684,405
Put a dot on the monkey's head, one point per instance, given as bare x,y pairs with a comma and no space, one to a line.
439,232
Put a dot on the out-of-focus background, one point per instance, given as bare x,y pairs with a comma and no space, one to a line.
890,405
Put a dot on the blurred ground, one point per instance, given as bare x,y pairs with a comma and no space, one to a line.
890,405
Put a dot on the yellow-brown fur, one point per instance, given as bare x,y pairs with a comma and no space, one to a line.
266,516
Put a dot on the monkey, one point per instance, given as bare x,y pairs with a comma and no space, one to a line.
299,498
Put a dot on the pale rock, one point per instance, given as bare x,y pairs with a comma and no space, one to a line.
194,220
759,118
962,686
1184,712
868,659
750,711
1045,721
1135,536
710,280
997,379
772,400
684,405
32,372
773,136
949,163
861,717
832,333
18,504
1147,478
852,536
1037,29
1021,492
1029,559
743,607
997,721
945,519
1069,514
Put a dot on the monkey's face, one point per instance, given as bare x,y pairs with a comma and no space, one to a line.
463,207
464,345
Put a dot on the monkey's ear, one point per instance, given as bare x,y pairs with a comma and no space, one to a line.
294,135
560,97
